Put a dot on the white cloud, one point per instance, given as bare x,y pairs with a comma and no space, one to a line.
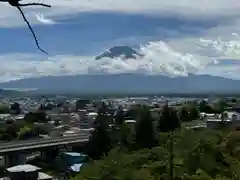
187,8
40,17
160,58
202,8
228,71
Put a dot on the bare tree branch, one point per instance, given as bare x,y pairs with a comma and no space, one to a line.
15,3
29,26
34,4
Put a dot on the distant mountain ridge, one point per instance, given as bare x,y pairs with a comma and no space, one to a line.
139,83
129,82
119,51
5,92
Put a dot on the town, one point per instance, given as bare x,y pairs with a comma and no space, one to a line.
49,136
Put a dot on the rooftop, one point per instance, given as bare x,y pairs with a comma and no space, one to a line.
41,176
23,168
76,167
130,121
44,176
74,154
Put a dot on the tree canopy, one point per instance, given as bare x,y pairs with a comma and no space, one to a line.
198,155
165,151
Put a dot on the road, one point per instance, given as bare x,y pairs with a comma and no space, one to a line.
194,124
14,146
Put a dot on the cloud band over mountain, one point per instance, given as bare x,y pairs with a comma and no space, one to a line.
158,58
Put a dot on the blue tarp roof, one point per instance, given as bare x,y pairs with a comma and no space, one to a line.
74,154
76,167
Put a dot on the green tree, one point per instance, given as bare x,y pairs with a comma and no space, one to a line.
4,109
15,108
205,107
145,134
126,138
26,133
38,116
169,120
220,106
189,112
197,155
133,112
9,121
119,117
12,129
100,142
82,103
38,129
193,112
184,114
6,137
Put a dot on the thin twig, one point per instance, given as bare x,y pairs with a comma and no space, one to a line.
35,38
34,4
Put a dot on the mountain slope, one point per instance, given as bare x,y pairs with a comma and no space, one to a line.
117,51
129,82
4,92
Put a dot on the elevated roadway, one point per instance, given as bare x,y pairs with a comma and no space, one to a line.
22,145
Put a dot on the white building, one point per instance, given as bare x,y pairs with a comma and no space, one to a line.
232,115
230,118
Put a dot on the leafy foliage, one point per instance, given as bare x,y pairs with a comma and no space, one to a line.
152,148
38,116
197,156
145,134
188,113
15,108
23,129
100,141
169,119
4,109
167,154
119,117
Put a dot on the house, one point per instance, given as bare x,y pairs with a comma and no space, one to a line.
230,118
233,113
26,172
72,162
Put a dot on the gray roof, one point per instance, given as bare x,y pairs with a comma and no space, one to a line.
23,168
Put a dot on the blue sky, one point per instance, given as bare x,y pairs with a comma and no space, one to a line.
177,37
90,33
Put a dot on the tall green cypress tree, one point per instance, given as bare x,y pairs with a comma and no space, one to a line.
100,141
169,120
145,134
